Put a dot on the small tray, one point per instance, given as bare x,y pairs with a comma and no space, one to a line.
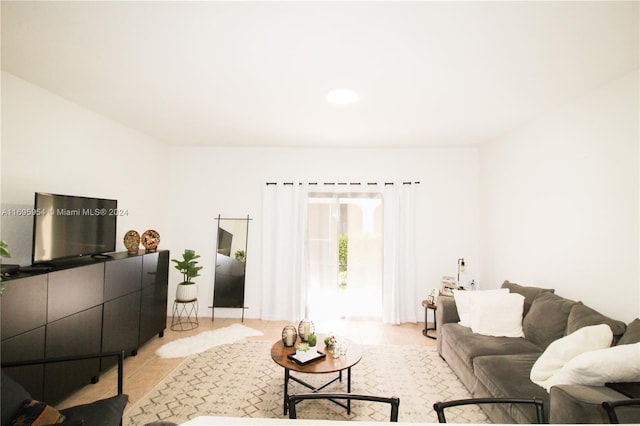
307,358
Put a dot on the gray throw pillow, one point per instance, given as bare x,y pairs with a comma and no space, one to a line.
547,319
632,334
583,316
529,293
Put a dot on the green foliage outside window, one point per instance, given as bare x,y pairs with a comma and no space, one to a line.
342,252
343,244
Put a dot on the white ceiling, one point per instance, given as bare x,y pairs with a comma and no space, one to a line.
256,73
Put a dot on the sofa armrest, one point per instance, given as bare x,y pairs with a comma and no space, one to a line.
447,311
583,404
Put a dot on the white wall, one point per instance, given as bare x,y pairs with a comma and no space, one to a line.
52,145
207,182
559,196
560,202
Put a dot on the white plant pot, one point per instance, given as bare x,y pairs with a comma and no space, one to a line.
186,293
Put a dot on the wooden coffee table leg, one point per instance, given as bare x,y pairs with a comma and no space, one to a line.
286,390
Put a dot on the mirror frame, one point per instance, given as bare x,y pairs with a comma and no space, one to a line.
230,267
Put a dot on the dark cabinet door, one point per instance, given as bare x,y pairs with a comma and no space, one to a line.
122,276
74,290
120,329
24,305
121,325
77,334
23,319
150,268
153,306
29,345
153,312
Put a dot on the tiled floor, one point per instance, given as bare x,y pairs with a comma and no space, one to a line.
145,370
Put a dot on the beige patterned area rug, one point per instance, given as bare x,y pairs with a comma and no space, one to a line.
241,380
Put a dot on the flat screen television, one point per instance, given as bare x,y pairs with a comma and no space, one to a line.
66,226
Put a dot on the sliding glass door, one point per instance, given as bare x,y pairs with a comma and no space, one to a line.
344,244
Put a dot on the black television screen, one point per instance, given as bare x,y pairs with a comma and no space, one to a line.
67,226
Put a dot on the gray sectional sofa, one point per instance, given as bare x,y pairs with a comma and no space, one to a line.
500,366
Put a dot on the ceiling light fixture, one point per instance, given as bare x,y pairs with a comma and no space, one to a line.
342,97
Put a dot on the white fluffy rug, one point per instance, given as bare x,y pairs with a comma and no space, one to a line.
206,340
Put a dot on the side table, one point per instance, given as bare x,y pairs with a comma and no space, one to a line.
427,305
185,315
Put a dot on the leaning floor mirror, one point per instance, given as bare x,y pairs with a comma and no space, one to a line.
230,261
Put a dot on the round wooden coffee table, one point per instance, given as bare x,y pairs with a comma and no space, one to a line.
328,364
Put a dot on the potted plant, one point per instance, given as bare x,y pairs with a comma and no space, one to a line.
312,339
4,249
241,255
302,347
4,252
187,290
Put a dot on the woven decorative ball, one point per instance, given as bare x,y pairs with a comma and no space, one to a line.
132,241
150,240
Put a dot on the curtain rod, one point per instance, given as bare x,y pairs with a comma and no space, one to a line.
345,183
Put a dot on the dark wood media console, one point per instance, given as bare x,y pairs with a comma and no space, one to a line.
83,307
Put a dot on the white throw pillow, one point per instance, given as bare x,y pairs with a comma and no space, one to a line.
561,351
595,368
498,314
466,302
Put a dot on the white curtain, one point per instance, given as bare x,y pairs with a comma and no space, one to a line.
322,267
284,231
285,253
399,287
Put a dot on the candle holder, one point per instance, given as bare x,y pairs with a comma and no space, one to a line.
305,328
289,336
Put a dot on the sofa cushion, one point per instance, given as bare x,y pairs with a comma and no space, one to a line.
631,334
469,345
563,350
529,293
13,395
547,319
507,376
582,316
104,412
